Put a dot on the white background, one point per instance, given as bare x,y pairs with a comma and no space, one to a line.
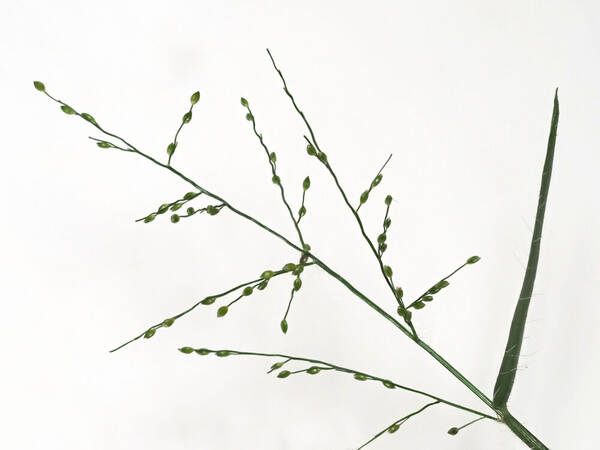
461,94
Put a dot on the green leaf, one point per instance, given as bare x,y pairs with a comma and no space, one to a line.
195,97
39,86
284,326
222,311
510,359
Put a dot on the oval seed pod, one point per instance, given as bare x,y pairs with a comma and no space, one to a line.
186,350
306,247
222,311
103,144
168,322
364,197
249,117
442,284
298,270
203,351
176,206
187,117
289,266
263,284
149,218
284,326
276,179
427,298
297,284
273,157
311,150
189,195
243,101
171,148
277,365
388,200
208,300
322,157
148,334
212,210
247,291
174,218
283,374
67,109
387,223
190,211
383,248
388,271
453,431
381,238
473,259
360,377
313,370
267,274
388,384
306,183
39,86
419,305
222,353
89,118
195,97
302,211
163,209
377,180
399,292
393,428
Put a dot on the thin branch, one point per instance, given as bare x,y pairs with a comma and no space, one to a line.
363,375
392,428
375,182
195,305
